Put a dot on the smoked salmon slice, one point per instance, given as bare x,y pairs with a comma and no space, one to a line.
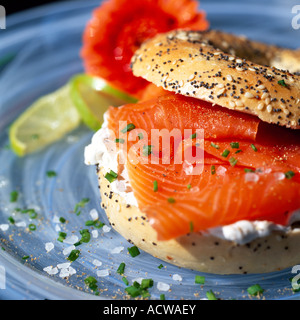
249,170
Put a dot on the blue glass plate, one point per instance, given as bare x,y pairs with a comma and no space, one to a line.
39,52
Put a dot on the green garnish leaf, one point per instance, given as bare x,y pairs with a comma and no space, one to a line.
62,219
225,153
121,268
255,290
238,151
85,236
128,128
32,227
193,136
111,176
171,200
213,170
289,174
125,281
210,295
282,83
14,195
160,266
146,283
120,140
199,279
147,150
233,161
162,297
51,174
73,255
81,204
91,282
191,226
234,145
215,145
189,186
253,147
141,136
155,186
25,257
61,236
134,251
248,170
11,220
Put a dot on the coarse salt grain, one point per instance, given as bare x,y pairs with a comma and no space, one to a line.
64,265
49,246
20,224
4,227
103,273
68,250
177,277
106,228
161,286
117,250
71,239
94,214
97,263
95,234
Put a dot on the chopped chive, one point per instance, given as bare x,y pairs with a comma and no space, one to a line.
125,281
189,186
32,214
121,268
155,186
213,170
193,136
62,219
111,176
289,174
85,236
120,140
35,136
80,204
32,227
225,153
215,145
89,223
73,255
146,283
61,236
162,297
51,174
210,295
91,282
98,224
248,170
282,83
147,150
25,257
191,226
253,147
233,161
128,128
199,279
238,151
160,266
133,291
141,136
11,220
234,145
171,200
134,251
255,290
112,173
14,196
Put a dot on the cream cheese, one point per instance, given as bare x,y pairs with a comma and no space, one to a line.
102,151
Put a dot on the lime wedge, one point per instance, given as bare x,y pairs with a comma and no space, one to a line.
92,96
47,120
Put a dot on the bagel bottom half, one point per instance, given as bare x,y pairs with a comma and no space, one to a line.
205,253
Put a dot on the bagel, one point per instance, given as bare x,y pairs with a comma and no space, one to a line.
200,251
226,70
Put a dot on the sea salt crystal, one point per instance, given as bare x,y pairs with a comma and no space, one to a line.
117,250
177,277
71,239
49,246
138,280
68,250
50,270
94,214
57,228
20,224
67,272
64,265
56,219
95,233
161,286
106,228
4,227
103,273
97,263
